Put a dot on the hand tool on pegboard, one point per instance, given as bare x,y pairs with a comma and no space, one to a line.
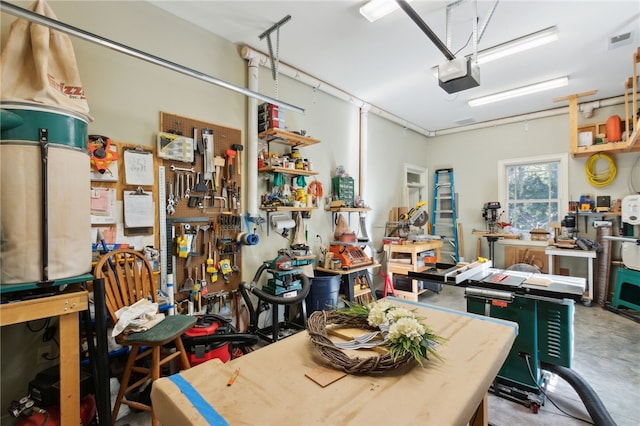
218,163
230,154
200,185
198,144
207,165
238,148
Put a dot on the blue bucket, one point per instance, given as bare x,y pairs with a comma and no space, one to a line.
324,292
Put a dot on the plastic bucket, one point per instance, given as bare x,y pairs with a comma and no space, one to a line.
68,194
324,292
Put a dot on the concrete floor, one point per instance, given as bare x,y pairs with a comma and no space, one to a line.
606,356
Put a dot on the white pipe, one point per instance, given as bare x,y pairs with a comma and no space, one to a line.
251,156
519,118
503,121
249,53
364,146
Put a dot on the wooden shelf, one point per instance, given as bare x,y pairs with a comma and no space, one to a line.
286,170
630,121
409,295
294,140
608,148
287,138
415,248
404,268
286,208
347,209
357,291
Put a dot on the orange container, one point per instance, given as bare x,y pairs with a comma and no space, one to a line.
614,129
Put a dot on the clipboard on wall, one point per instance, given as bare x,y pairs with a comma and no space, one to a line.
138,209
138,166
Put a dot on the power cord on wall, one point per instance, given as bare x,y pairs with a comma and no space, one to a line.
49,334
600,179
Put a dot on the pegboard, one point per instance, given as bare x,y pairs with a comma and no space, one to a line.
216,218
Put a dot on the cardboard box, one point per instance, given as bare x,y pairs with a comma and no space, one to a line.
585,138
272,381
393,214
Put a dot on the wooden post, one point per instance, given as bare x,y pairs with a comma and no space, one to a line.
573,116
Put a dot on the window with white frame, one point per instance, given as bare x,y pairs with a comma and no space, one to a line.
533,191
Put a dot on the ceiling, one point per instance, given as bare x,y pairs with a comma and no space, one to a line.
388,63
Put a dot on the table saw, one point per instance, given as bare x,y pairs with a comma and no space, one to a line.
541,304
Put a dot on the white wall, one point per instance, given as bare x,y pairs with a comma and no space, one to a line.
126,96
474,156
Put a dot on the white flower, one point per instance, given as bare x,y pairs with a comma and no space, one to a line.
376,317
394,315
410,328
377,313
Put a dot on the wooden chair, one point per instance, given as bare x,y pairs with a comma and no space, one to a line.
128,278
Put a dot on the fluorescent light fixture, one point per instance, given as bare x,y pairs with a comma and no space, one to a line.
520,44
376,9
520,91
517,45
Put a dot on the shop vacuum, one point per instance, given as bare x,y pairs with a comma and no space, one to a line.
213,336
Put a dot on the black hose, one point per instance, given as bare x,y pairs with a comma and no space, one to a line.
259,272
592,402
253,316
277,300
245,288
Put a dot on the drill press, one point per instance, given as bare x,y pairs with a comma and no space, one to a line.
490,214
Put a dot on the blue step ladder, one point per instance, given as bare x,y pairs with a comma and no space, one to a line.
444,221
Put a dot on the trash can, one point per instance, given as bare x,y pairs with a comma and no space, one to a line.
323,295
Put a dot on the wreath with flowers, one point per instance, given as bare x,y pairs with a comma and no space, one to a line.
403,335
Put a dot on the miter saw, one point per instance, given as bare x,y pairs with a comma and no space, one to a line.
416,217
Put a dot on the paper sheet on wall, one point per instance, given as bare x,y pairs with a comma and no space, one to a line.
138,210
138,167
103,206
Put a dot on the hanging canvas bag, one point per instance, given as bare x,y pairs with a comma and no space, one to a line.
38,65
45,204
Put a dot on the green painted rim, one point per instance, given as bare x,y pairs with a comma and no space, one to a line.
65,128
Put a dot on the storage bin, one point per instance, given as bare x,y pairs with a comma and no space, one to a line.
324,292
343,189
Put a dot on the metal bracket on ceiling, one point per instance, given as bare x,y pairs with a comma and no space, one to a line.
274,57
474,33
445,47
477,32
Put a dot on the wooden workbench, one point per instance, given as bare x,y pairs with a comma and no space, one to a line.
66,306
411,263
272,389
